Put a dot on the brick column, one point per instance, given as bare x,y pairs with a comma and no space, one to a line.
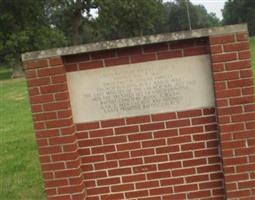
234,92
55,130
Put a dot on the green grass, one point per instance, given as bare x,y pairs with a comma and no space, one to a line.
20,177
253,53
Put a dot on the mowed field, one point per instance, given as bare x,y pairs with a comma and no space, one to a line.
20,177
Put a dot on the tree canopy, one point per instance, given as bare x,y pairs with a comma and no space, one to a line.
30,25
240,11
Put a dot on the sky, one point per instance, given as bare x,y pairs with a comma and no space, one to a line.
212,6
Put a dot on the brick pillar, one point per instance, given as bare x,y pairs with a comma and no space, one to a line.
55,130
234,92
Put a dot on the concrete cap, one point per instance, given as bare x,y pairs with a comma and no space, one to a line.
135,41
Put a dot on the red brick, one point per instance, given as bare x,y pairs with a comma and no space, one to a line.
122,187
231,127
226,76
91,65
152,126
106,165
97,190
158,175
177,123
172,181
59,123
56,61
51,71
114,139
245,55
165,133
183,155
138,120
103,54
199,194
103,149
236,46
129,162
162,190
117,61
71,67
167,149
126,129
117,155
143,58
222,39
163,116
224,57
145,168
140,136
100,133
155,47
41,99
169,165
112,122
87,126
194,162
190,130
185,188
197,178
147,184
153,143
179,140
108,181
154,159
242,36
140,193
196,51
169,54
191,113
115,196
95,175
133,178
56,106
216,49
242,100
38,82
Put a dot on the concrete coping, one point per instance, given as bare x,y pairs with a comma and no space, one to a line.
135,41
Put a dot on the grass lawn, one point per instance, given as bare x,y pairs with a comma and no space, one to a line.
20,177
253,53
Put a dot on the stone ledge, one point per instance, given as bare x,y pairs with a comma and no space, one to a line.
135,41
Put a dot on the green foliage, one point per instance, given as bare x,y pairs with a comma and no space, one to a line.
253,54
19,165
177,19
127,18
240,11
24,28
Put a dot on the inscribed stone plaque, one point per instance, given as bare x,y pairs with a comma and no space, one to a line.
140,89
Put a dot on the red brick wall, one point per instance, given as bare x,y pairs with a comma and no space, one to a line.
205,153
235,102
170,155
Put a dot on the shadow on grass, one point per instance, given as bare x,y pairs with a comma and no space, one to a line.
5,73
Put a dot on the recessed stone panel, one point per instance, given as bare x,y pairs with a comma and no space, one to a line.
141,88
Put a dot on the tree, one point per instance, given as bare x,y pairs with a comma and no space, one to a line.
240,11
177,19
24,27
127,18
72,17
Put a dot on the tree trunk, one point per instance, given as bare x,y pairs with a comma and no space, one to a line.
17,70
76,23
